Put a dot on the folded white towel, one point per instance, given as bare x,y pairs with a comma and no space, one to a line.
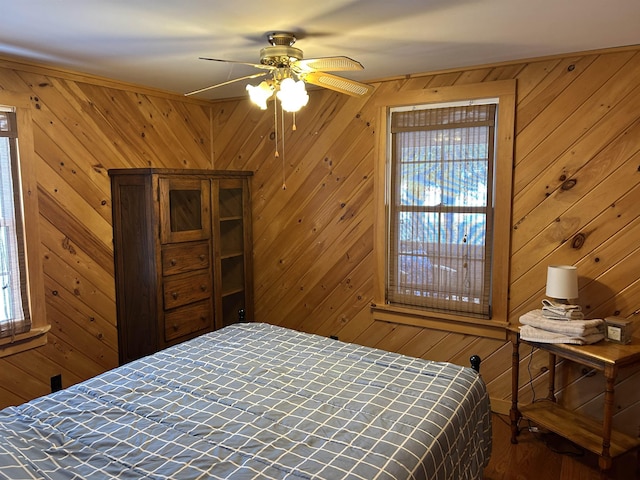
560,311
533,334
538,319
559,306
563,316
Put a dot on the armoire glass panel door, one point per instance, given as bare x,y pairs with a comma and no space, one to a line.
184,209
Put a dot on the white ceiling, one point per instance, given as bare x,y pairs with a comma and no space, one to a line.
157,43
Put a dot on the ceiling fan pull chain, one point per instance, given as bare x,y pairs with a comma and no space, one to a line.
284,183
294,128
275,126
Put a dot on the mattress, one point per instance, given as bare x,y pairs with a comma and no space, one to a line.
257,401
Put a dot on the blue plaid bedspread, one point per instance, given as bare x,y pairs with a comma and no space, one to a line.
256,401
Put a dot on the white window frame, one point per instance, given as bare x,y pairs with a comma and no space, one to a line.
495,327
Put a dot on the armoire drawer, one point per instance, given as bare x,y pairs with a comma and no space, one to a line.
184,289
187,320
184,257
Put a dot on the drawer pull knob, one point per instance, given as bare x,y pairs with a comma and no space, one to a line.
202,257
204,319
175,327
173,262
203,288
175,295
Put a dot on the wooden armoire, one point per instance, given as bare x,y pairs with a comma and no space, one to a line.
182,253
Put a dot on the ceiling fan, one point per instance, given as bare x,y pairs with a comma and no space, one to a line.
283,64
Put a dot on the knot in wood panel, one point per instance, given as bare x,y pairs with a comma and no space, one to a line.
578,241
569,184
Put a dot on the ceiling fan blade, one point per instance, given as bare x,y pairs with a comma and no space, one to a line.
255,75
255,65
327,64
339,84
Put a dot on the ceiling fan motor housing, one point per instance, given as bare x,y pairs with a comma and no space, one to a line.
280,56
281,53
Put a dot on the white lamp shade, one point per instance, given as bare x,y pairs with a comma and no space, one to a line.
292,95
562,282
260,94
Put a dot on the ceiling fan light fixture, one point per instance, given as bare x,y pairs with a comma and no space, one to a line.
260,94
292,95
287,73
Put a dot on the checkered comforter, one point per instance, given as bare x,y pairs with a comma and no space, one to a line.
256,401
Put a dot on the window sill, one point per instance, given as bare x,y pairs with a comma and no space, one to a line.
441,321
36,337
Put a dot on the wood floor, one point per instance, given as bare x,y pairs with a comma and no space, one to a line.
542,456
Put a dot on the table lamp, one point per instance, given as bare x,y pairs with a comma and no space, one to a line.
562,283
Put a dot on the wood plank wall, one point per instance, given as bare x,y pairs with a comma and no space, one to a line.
576,197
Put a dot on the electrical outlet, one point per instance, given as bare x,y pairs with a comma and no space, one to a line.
56,383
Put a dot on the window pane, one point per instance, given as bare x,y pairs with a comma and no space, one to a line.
12,318
5,297
453,174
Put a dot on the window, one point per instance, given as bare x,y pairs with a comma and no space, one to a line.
444,187
14,308
440,224
23,324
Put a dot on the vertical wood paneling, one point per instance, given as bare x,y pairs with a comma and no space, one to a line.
576,195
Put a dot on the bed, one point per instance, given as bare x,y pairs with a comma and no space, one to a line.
256,401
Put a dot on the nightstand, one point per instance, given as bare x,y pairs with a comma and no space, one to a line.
599,438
